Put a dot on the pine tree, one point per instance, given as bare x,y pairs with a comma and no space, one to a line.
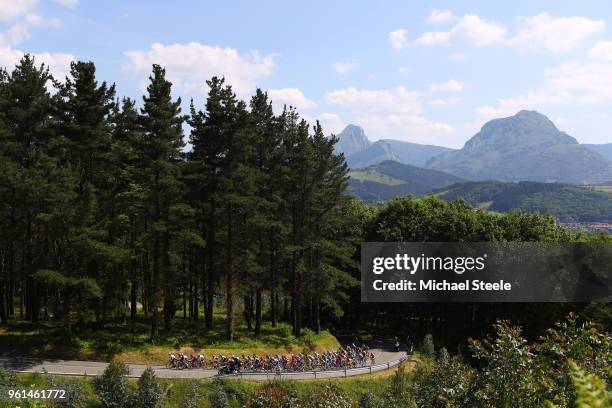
162,142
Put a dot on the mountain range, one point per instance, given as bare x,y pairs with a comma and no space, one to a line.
524,147
361,152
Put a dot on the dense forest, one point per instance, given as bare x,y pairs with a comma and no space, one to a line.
106,216
103,210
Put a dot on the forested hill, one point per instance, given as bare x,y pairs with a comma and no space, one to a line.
565,202
391,179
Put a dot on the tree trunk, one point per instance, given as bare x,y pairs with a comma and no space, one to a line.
257,312
273,296
230,277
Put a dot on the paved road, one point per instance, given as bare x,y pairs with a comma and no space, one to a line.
384,359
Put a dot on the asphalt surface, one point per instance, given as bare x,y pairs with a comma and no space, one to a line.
384,358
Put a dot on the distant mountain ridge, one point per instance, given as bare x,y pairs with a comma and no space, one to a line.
352,140
361,152
525,147
603,149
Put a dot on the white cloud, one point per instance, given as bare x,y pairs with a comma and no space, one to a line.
471,29
539,32
23,12
67,3
10,9
585,82
290,97
439,16
404,70
445,102
58,63
331,123
458,56
390,113
451,85
398,38
189,65
555,34
601,51
377,100
343,67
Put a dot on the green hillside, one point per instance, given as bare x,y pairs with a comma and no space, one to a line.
567,203
391,179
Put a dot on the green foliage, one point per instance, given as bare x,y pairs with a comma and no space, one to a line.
150,390
8,378
397,393
445,382
191,398
74,389
508,377
427,347
272,395
592,391
327,396
566,203
219,399
112,386
367,400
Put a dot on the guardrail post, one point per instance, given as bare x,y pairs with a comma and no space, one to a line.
315,373
345,372
388,366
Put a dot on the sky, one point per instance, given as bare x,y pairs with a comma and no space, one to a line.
427,72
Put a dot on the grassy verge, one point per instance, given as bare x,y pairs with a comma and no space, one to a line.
129,342
239,392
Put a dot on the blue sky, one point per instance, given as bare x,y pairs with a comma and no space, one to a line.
425,72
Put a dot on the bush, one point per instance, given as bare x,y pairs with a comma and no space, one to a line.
271,395
427,348
192,397
327,396
76,395
445,382
8,378
150,390
219,398
366,400
397,394
112,386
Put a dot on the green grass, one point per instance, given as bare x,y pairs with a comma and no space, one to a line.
238,391
374,175
129,342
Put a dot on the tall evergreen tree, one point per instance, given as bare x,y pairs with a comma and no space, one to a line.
162,142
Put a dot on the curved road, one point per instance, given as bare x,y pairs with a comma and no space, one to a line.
384,359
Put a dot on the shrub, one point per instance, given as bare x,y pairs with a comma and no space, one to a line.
219,398
112,386
397,393
271,395
366,400
8,378
328,396
150,390
427,348
445,382
192,397
76,395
